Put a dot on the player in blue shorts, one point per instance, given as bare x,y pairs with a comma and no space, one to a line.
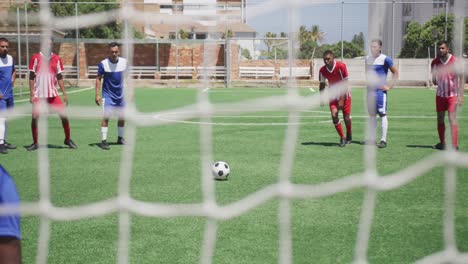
7,81
377,66
10,233
110,73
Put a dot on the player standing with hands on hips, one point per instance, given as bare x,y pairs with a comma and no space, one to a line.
377,66
45,72
112,70
337,75
449,81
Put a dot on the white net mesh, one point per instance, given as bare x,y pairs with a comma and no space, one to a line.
292,102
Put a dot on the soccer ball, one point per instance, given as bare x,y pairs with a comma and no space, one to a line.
220,170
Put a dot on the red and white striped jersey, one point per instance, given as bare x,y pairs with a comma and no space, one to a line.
45,85
446,76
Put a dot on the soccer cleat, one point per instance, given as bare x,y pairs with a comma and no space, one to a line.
31,147
382,144
439,146
70,143
342,142
349,138
120,141
9,146
104,145
3,149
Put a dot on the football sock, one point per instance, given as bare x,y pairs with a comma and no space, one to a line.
339,129
104,133
454,135
384,124
348,127
66,128
441,130
120,131
34,131
2,130
373,127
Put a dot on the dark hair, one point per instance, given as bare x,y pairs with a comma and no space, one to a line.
114,44
444,42
3,40
328,52
379,41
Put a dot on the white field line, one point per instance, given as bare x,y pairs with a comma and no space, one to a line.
75,91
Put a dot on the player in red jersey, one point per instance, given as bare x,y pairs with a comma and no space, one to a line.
45,72
449,81
337,75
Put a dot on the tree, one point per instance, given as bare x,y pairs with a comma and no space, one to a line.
269,42
358,39
65,8
245,53
419,38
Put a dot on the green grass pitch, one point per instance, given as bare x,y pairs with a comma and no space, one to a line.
166,168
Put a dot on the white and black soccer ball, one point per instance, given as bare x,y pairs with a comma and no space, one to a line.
220,170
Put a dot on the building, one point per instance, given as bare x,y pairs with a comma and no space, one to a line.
389,21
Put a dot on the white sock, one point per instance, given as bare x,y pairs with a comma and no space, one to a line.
104,133
2,130
384,128
120,131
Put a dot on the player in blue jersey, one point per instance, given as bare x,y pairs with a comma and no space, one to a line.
7,81
110,73
10,233
377,67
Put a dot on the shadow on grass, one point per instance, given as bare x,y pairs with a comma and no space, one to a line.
50,146
325,144
419,146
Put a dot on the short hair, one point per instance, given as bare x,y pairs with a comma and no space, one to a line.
3,40
328,52
379,41
114,44
443,42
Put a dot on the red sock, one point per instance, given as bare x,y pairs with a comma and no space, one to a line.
441,130
339,129
66,128
455,135
348,128
34,132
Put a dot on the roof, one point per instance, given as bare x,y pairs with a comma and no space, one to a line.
165,29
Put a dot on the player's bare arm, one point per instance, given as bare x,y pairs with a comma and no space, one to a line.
322,89
394,71
62,88
32,79
13,77
98,90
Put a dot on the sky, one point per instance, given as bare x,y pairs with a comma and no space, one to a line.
326,16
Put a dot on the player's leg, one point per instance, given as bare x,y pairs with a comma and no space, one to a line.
336,122
347,120
119,107
452,117
107,108
441,107
34,118
382,111
57,105
10,103
372,111
3,108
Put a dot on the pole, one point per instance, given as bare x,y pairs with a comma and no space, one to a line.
393,29
19,48
446,20
342,25
77,45
27,31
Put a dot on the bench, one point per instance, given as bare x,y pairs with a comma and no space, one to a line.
69,71
135,71
256,72
296,72
211,72
173,71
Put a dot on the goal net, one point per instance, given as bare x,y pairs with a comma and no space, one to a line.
266,61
